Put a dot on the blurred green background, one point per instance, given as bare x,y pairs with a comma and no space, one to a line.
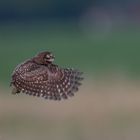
100,38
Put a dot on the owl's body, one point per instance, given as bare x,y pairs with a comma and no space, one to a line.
38,76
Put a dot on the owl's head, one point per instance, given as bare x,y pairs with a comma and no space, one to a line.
44,58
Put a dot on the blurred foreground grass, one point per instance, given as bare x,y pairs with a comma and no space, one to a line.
98,111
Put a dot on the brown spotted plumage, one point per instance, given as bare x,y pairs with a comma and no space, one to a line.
38,76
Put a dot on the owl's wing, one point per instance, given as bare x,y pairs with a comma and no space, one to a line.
63,83
26,76
49,82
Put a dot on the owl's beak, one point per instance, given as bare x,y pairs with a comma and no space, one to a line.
51,59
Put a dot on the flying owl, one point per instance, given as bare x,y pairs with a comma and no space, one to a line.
39,77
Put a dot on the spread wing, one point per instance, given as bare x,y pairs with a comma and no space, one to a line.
49,82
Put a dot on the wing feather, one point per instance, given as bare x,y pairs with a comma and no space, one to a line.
49,82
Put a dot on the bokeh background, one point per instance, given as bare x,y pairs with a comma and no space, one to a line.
102,39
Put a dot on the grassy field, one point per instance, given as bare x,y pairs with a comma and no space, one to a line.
99,111
107,107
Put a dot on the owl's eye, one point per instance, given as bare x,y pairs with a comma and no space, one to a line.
48,56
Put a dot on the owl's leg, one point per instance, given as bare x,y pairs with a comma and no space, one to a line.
15,90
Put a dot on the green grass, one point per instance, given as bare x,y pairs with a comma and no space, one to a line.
119,50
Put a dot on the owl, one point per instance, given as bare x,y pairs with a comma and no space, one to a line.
40,77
